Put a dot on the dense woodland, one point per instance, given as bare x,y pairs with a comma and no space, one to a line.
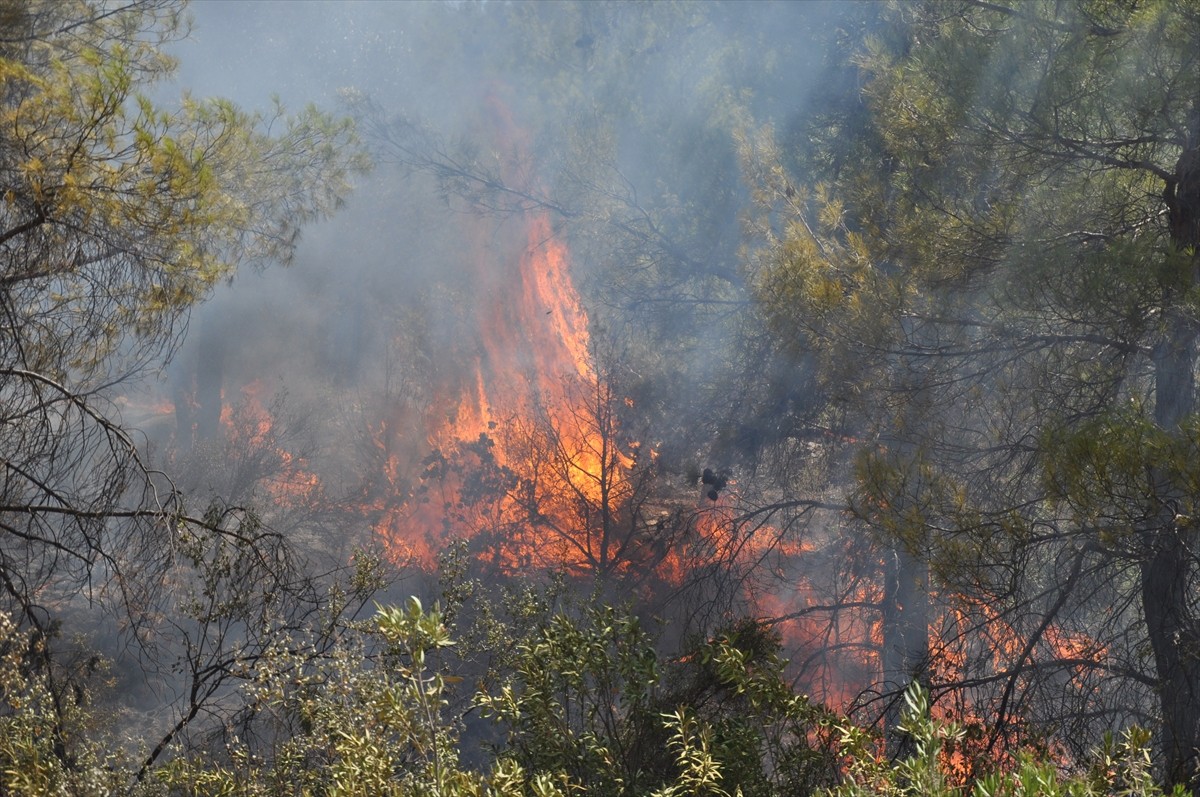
708,399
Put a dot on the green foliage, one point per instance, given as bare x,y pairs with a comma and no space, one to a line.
1106,469
580,700
587,709
586,694
105,188
367,720
48,749
371,719
117,215
993,271
1121,767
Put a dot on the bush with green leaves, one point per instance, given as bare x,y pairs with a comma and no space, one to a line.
1121,768
586,706
47,745
587,693
367,720
583,705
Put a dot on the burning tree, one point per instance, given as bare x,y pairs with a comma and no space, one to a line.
555,492
527,452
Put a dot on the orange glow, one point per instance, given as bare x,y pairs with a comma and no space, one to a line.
1075,647
249,425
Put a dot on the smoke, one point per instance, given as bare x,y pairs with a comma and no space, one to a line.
335,373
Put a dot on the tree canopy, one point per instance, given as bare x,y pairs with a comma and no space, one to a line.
1000,270
118,215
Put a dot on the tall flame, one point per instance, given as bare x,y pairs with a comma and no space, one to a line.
523,400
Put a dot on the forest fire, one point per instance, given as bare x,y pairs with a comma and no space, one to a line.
862,455
518,450
246,427
521,439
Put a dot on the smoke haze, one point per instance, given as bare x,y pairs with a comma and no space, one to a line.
337,394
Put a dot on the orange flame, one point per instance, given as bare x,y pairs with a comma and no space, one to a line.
525,416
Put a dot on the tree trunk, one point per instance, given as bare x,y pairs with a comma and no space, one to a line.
905,655
1166,575
1169,565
